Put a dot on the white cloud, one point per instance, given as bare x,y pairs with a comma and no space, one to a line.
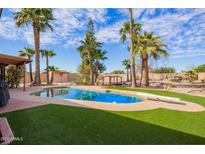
69,25
182,29
110,34
8,29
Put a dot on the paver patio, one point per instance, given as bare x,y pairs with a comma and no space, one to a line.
17,104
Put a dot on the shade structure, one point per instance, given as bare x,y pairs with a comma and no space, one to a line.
113,79
12,60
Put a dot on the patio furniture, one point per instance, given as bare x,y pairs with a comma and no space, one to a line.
160,98
4,93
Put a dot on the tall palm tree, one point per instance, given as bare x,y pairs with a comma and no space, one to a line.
127,66
48,54
88,46
39,18
153,46
132,56
28,52
1,10
99,56
133,29
52,69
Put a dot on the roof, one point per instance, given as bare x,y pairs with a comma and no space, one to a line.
111,75
14,60
61,71
58,71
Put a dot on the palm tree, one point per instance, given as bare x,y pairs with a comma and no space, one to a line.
99,56
39,18
153,46
133,29
48,54
132,56
1,10
127,66
87,48
28,52
52,69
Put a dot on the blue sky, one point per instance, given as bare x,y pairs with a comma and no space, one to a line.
183,30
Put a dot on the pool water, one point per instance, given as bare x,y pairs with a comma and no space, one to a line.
78,94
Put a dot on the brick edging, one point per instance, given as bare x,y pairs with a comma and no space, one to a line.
6,131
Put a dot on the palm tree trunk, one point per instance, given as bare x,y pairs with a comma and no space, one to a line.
52,77
30,70
130,75
146,73
145,70
142,67
127,75
132,56
97,69
91,70
37,55
47,72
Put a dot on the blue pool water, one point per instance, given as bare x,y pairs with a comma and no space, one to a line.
71,93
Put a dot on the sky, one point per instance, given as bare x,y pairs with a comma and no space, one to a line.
183,30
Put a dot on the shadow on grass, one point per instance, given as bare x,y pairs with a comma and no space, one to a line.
57,124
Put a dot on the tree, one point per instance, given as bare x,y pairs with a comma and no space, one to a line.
133,29
149,45
87,49
52,69
117,72
13,72
191,75
164,70
48,54
28,52
126,64
39,18
99,56
200,68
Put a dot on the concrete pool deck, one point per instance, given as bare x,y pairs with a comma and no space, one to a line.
18,94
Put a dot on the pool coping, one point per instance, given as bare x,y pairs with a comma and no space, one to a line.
141,106
100,91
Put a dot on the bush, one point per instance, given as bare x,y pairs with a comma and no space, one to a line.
11,76
191,75
118,72
200,68
164,70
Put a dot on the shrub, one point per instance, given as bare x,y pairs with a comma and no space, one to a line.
200,68
164,70
191,75
11,76
118,72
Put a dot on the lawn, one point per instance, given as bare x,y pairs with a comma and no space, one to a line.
58,124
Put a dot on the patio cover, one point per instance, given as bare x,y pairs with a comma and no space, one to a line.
8,59
13,60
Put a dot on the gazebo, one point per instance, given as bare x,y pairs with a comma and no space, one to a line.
114,78
6,60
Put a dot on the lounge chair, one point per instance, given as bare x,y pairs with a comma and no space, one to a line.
160,98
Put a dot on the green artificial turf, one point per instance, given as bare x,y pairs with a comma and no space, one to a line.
58,124
185,97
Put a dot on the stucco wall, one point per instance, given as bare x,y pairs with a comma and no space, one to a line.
201,76
152,76
58,77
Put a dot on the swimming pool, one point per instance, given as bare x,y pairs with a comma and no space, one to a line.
78,94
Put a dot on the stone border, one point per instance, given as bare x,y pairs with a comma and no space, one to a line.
6,131
144,105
